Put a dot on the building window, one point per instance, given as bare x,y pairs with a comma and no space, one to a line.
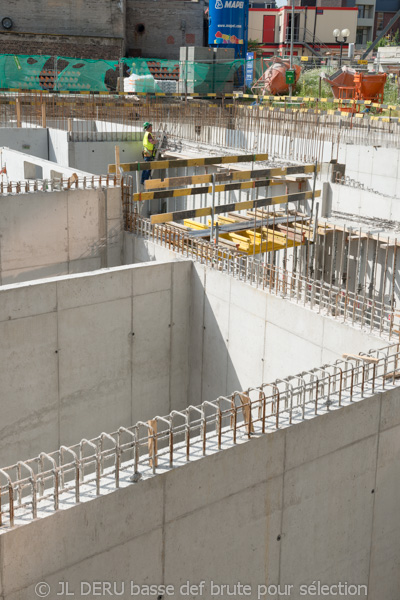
361,11
379,21
360,36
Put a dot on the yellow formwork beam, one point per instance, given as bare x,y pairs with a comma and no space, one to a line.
248,242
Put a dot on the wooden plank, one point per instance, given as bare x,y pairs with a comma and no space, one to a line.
152,443
390,375
246,409
72,179
291,234
367,359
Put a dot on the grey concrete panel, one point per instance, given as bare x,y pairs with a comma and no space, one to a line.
101,377
19,138
180,337
384,579
218,284
114,256
255,461
341,338
332,431
21,275
127,248
28,370
244,528
150,395
95,368
215,351
19,301
114,202
114,232
148,281
250,299
83,265
246,349
119,566
295,319
110,522
31,432
95,156
327,518
286,354
84,236
151,354
58,146
390,411
94,288
23,219
73,226
197,300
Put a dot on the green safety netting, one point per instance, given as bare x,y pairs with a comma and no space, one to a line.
36,72
169,76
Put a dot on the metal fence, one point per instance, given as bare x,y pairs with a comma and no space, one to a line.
278,131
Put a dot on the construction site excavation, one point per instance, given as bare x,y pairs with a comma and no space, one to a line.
200,353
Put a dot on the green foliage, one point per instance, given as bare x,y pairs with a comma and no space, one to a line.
308,84
388,40
390,92
254,46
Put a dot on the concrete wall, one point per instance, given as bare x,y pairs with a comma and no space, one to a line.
89,353
375,167
44,234
242,336
316,502
30,141
17,163
363,203
96,156
169,24
58,146
94,151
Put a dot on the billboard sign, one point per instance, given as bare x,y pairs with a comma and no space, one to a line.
228,22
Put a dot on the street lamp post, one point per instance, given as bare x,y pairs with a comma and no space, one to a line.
345,34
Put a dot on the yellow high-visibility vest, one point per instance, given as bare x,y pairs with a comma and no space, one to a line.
148,147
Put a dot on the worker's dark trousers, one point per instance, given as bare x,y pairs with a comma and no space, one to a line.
146,174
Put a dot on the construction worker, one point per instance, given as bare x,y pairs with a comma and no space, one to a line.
149,149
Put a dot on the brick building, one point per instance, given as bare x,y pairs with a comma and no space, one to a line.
101,28
384,11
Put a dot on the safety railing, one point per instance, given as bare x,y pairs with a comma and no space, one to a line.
31,488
